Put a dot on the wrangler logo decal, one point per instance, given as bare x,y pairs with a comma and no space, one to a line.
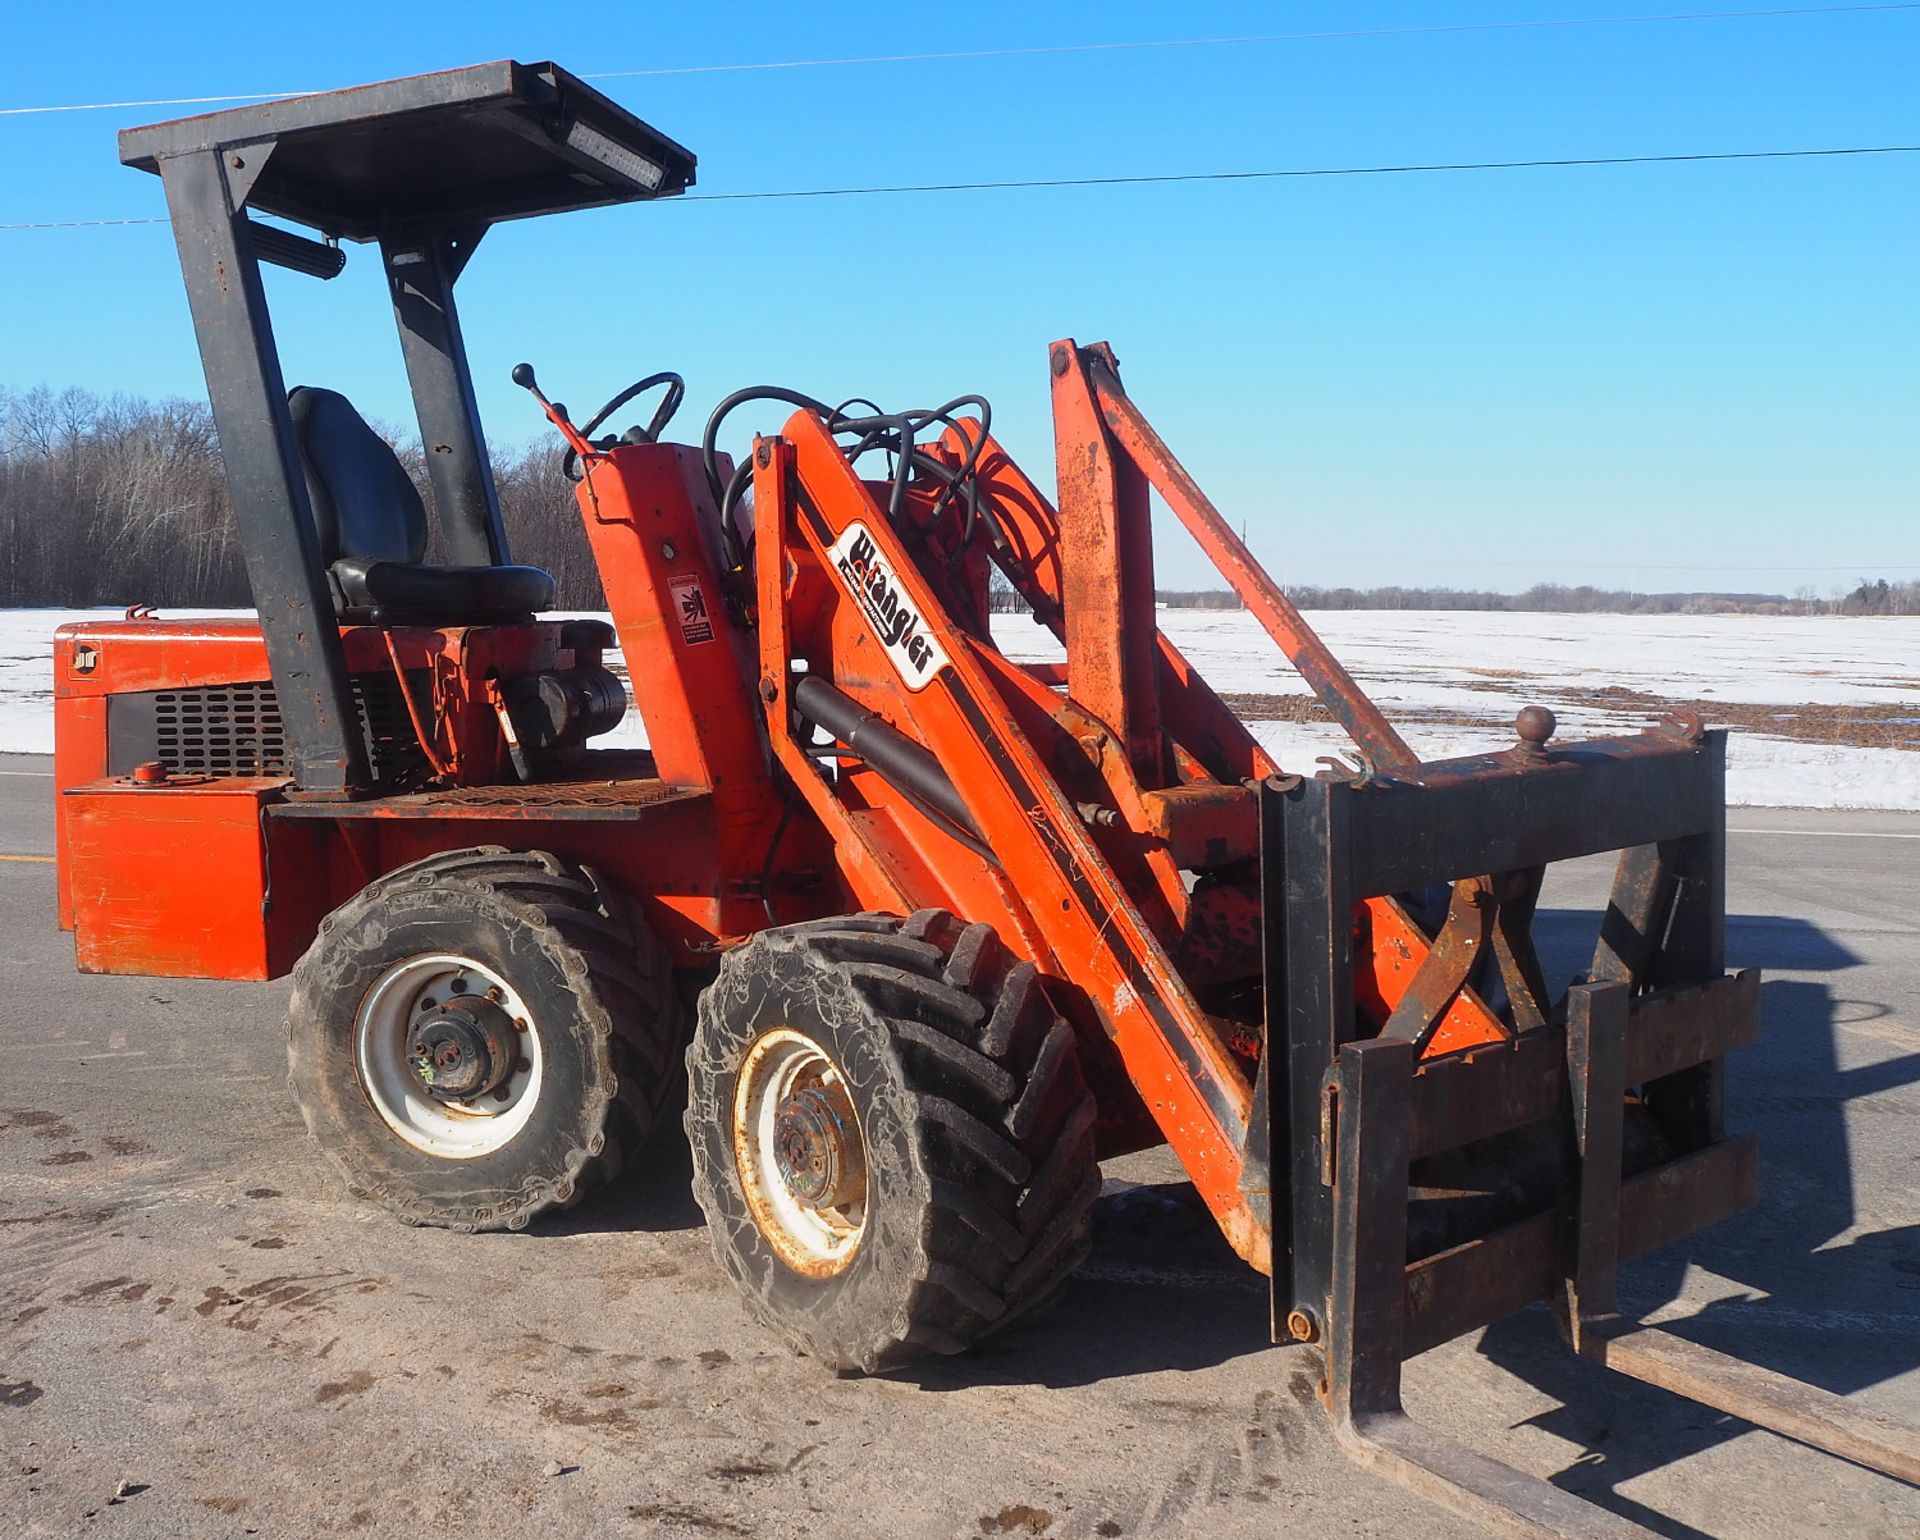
915,655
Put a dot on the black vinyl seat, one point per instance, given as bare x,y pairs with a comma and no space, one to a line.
372,529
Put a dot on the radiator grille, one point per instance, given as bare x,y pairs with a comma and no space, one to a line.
226,730
236,729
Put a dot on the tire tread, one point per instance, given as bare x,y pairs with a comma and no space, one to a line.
616,957
1002,1114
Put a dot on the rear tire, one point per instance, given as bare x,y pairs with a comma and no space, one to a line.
578,991
972,1117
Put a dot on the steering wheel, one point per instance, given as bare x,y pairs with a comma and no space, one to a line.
650,434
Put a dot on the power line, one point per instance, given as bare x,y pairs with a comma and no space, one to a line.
78,224
1439,29
1561,163
1308,171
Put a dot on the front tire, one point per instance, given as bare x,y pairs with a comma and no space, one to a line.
481,1037
892,1137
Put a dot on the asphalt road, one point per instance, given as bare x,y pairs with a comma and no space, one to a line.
189,1306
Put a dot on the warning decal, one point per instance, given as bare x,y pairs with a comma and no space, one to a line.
690,604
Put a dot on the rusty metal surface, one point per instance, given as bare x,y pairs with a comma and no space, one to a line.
1106,558
1515,896
1485,1091
1328,843
1636,913
1474,1095
1351,1135
1676,1028
1596,1033
1365,1311
1205,825
1376,737
1221,938
1367,1319
1439,980
1484,813
1760,1396
1390,948
1479,1281
621,789
1496,1497
1688,1193
1596,1075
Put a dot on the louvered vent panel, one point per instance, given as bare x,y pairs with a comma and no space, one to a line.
225,730
236,729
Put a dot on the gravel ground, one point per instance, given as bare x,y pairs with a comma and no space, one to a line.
193,1317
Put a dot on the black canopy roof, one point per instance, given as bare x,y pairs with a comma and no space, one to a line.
463,147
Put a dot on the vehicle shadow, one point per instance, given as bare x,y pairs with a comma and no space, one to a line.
1806,1293
1162,1290
1803,1284
654,1191
1811,1287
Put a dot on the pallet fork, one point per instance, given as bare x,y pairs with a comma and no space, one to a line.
1654,1020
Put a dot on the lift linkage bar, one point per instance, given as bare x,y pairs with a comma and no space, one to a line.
1351,1117
1377,738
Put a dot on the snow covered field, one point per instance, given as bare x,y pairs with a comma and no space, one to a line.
1816,701
1452,682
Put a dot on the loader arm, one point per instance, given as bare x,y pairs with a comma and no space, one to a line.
1082,816
846,596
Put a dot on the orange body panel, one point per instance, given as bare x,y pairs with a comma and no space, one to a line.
652,841
122,894
173,880
650,521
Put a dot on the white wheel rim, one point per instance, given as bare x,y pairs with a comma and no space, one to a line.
815,1240
458,1130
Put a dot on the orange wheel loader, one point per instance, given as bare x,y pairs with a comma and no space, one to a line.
929,932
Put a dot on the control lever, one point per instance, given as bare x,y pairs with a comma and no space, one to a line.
555,413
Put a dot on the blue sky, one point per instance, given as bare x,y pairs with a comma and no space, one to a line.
1656,377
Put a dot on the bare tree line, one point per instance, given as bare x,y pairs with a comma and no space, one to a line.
1869,598
119,500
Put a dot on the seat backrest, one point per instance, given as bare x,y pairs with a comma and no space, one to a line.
364,503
